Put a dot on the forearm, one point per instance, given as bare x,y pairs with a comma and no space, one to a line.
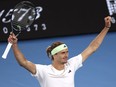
22,60
18,55
98,40
94,45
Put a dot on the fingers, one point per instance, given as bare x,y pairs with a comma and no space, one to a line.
108,19
108,22
12,38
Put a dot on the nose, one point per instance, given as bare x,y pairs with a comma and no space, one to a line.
66,54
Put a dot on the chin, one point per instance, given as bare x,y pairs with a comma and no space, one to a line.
65,62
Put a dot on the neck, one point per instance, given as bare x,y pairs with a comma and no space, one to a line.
58,66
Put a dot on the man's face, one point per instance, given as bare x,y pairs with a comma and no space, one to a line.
62,56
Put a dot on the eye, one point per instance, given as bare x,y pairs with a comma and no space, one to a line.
64,52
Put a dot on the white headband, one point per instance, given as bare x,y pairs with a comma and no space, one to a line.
58,49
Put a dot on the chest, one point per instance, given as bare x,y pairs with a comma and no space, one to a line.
55,77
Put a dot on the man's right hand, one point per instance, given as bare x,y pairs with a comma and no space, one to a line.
12,38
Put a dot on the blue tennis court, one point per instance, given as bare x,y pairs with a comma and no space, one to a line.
99,70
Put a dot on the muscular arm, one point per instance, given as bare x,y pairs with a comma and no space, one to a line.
94,45
20,57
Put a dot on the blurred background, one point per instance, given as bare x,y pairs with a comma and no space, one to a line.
76,23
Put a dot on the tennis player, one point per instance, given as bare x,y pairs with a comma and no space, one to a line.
62,70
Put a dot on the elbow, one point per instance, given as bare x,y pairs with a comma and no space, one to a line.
21,60
94,47
22,63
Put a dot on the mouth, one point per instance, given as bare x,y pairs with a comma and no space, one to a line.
65,59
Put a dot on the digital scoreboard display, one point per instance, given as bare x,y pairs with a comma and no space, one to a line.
59,18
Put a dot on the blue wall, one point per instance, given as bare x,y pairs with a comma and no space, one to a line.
99,70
